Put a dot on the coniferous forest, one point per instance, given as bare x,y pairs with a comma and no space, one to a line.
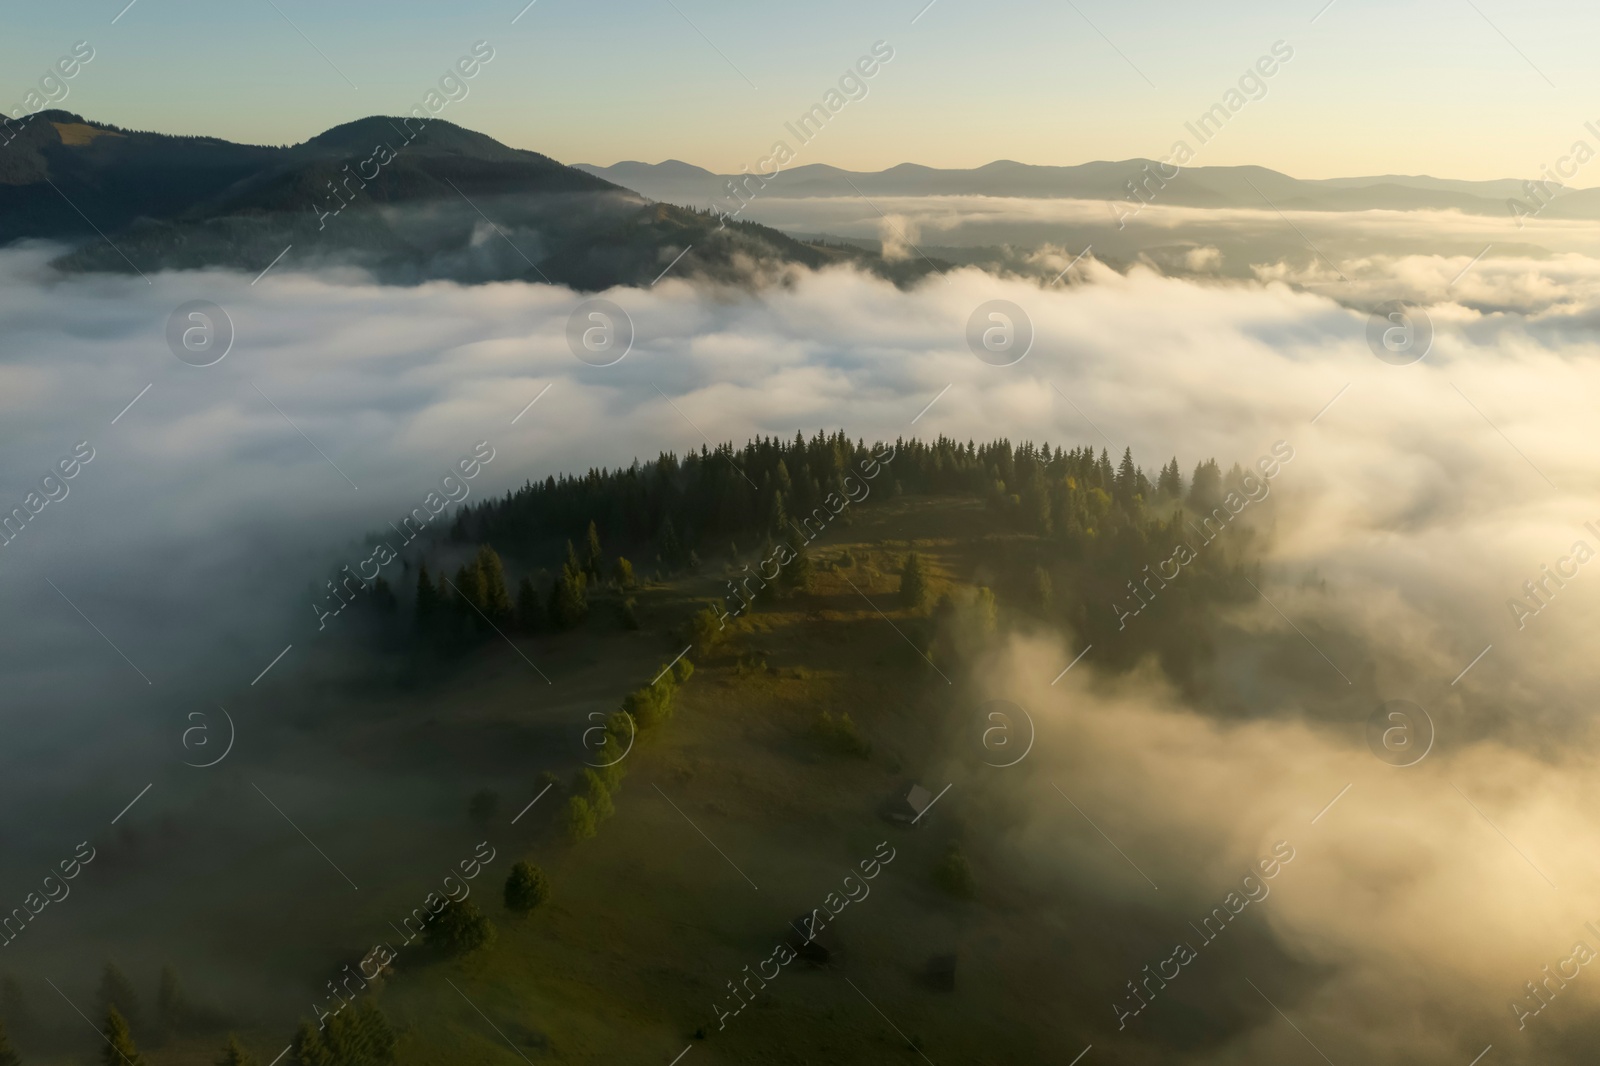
1106,547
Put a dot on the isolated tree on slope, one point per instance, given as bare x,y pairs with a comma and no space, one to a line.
526,887
913,582
116,995
234,1054
119,1049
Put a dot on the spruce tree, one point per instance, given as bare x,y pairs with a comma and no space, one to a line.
469,580
1042,592
173,1013
1205,488
119,1049
234,1054
358,1035
530,610
492,583
427,598
593,561
671,546
913,582
798,572
383,598
777,516
1127,476
569,598
622,571
1170,484
116,996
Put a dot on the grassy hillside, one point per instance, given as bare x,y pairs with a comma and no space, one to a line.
743,810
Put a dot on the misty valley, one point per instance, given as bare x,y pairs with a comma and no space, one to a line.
926,582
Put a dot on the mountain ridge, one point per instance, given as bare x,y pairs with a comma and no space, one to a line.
1113,180
408,200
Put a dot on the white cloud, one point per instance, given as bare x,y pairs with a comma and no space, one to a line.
191,539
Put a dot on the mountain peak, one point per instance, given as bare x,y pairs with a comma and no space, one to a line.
430,136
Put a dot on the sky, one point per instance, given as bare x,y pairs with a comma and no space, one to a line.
1454,88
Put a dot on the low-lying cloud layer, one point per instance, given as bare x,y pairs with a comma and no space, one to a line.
1424,496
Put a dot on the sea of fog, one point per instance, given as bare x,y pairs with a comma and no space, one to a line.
1420,500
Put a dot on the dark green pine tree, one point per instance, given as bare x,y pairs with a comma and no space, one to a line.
234,1054
467,597
1205,488
569,598
913,582
671,546
173,1013
777,516
116,995
1127,477
1170,484
593,560
492,583
530,609
357,1036
427,599
119,1050
797,573
383,598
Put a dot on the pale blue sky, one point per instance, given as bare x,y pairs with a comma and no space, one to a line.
1375,86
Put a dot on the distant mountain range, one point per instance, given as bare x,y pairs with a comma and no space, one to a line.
406,199
411,201
1213,187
